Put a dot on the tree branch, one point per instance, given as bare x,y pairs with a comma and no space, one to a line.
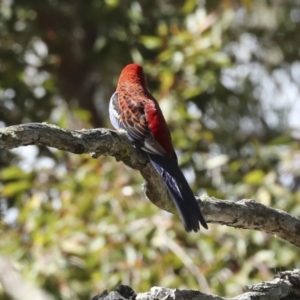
17,287
286,285
247,213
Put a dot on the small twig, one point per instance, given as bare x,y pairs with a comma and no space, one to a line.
16,286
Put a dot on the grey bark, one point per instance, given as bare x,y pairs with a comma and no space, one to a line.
285,286
246,213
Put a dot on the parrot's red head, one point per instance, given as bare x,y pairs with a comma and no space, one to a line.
133,74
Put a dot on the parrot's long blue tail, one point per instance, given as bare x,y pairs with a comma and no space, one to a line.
182,195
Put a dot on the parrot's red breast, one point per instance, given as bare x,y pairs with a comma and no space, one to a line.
140,110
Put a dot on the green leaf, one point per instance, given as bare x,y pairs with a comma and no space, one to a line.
11,173
254,177
14,188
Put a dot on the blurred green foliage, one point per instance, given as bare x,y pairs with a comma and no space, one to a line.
226,74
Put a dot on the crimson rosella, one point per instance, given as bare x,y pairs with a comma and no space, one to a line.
133,109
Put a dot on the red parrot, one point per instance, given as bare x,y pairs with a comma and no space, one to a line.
133,109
